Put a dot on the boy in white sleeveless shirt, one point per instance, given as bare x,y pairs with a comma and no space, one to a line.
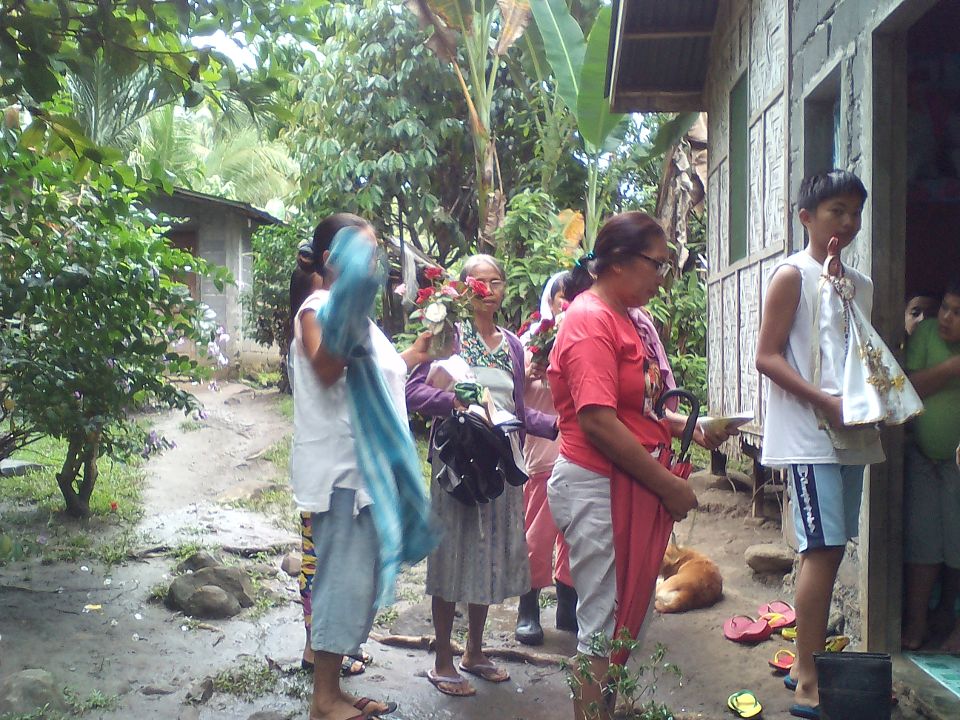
803,324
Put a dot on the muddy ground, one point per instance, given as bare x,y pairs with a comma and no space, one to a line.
199,494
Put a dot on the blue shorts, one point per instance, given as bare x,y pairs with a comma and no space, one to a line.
826,504
345,584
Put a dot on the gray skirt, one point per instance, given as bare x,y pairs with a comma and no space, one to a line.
482,557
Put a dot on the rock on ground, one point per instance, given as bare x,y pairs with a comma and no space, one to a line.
210,601
27,691
769,558
232,581
291,564
198,561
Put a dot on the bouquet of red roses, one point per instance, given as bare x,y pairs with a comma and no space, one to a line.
442,303
541,341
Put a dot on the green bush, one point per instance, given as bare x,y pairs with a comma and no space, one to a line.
93,311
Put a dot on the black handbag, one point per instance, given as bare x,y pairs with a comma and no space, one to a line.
477,458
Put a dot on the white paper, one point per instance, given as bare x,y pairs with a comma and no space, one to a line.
446,373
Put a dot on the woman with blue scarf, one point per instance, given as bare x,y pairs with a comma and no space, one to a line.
354,466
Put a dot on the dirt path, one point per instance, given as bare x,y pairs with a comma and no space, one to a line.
150,658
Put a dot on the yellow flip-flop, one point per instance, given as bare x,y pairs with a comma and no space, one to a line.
836,643
745,704
789,633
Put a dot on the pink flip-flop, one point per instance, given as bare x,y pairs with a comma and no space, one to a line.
788,616
446,683
744,629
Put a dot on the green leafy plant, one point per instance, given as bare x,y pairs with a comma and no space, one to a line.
531,247
632,687
93,311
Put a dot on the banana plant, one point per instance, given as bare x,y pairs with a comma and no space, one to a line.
579,66
486,31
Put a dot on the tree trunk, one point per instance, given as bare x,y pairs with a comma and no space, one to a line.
72,464
90,470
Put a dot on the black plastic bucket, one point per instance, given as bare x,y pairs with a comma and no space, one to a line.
854,686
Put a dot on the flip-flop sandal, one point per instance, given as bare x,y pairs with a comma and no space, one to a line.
744,629
348,668
782,660
805,711
362,703
438,680
363,656
836,643
490,673
775,620
790,684
780,607
789,633
745,704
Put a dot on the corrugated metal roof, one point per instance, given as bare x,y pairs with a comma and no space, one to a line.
660,53
246,209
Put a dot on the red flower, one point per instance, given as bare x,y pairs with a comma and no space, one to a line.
523,328
424,294
545,325
535,315
479,287
534,349
113,506
432,272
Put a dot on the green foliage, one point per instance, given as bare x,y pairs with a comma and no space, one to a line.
92,303
379,131
248,680
681,311
39,39
531,247
268,300
634,686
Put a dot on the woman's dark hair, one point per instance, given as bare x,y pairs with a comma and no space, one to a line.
622,237
560,285
301,286
323,235
310,260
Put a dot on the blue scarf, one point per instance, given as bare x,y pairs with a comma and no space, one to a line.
386,454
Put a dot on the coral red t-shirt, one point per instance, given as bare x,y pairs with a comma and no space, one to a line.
599,359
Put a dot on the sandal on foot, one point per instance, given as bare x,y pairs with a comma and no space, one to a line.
745,704
363,656
362,703
805,711
782,660
790,684
439,681
487,671
349,667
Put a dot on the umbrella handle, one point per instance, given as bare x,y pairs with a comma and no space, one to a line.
687,437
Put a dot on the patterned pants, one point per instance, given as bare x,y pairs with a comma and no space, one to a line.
308,568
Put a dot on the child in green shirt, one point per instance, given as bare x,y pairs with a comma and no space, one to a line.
932,478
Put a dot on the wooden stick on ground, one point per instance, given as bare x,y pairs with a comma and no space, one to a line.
427,644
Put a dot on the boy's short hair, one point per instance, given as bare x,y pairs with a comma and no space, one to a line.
823,186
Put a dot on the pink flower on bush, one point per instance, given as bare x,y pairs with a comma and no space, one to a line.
401,289
449,291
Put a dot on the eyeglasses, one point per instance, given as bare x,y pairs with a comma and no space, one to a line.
663,266
495,285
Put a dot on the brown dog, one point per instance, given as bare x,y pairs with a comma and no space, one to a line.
691,580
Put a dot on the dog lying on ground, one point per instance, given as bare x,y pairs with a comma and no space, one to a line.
691,581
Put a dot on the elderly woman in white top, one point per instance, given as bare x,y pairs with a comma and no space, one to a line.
330,471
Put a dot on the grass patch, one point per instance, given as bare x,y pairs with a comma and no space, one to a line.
700,457
248,680
261,379
423,446
387,616
546,600
190,426
279,455
119,482
185,549
158,593
96,700
285,406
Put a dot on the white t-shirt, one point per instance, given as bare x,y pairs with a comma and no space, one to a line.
324,453
791,431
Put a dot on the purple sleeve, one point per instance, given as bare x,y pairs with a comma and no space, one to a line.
535,423
424,398
540,424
